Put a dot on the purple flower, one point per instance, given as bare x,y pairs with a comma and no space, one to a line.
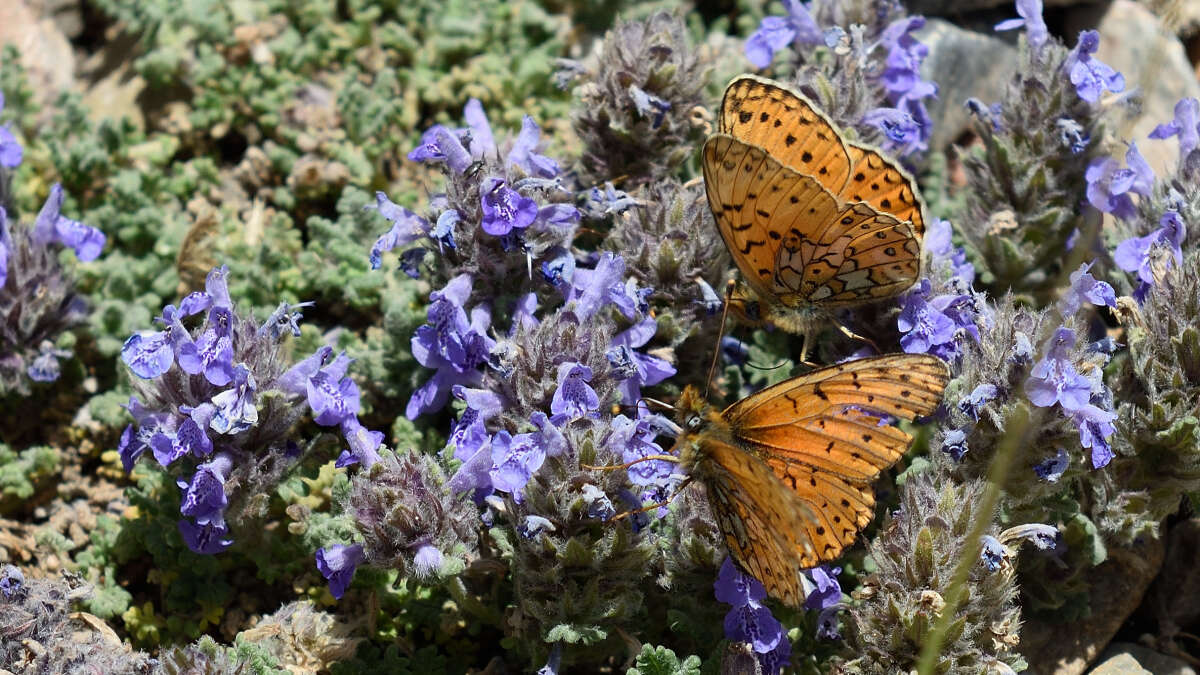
1022,350
534,525
643,370
974,402
634,439
993,554
52,226
45,366
1090,76
1186,125
523,155
1109,187
574,397
438,144
364,443
1052,468
1095,427
480,138
826,591
649,105
148,354
1072,136
940,244
212,354
426,561
11,581
407,227
599,506
332,397
954,443
515,459
130,447
924,326
1030,12
1054,378
5,246
901,130
901,72
337,564
1085,288
749,620
559,267
443,230
204,498
11,152
1136,254
187,439
591,289
235,409
504,209
827,627
206,539
777,32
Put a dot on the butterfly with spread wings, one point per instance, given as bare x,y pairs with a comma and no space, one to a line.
813,221
788,470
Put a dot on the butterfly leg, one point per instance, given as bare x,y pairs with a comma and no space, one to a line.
855,336
626,514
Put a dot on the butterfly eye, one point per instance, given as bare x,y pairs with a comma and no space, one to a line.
693,423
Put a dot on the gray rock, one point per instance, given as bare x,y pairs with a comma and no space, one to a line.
965,64
1134,41
45,51
1123,658
1117,587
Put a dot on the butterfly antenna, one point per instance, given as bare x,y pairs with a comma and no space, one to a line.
626,465
712,367
651,507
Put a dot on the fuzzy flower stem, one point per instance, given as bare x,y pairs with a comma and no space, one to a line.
1015,436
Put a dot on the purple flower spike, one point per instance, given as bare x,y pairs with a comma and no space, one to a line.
52,226
504,209
207,539
1031,19
337,564
574,397
1186,126
1054,378
148,354
1090,76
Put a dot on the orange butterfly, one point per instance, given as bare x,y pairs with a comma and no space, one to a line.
788,470
813,221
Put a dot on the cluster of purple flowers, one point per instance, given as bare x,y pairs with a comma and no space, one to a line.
751,622
205,406
906,125
1084,398
937,324
50,228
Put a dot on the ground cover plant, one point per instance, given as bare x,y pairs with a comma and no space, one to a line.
354,339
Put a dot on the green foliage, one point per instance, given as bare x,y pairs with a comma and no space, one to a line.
662,661
21,473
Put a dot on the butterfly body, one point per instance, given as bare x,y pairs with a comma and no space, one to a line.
815,223
788,470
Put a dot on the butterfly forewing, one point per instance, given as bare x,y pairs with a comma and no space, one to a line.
762,113
767,114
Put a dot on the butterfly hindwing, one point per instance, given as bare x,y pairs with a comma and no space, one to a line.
764,525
